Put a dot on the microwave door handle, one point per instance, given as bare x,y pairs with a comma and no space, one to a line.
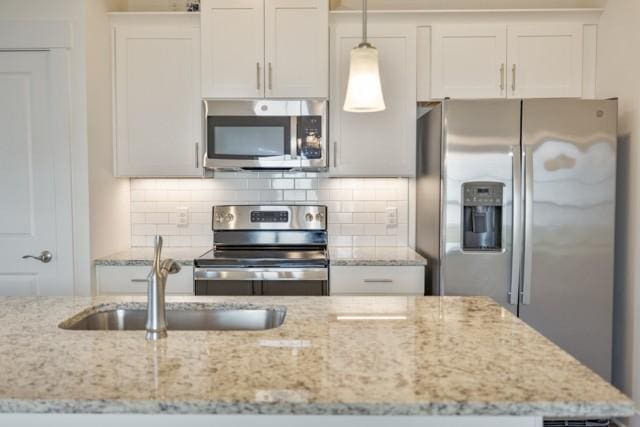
293,131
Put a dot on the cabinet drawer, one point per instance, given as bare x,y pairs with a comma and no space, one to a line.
377,280
131,280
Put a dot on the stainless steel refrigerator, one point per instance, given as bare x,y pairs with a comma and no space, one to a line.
516,201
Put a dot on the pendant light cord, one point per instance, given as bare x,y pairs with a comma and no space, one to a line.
364,22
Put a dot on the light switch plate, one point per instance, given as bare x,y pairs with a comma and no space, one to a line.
182,215
392,216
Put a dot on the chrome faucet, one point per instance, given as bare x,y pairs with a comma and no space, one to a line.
157,279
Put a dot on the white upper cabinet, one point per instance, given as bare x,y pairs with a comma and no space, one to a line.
157,98
545,60
382,143
232,48
297,48
265,48
512,61
469,61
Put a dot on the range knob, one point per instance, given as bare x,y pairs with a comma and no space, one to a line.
228,217
319,217
308,217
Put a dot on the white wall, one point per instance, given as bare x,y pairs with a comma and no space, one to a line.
618,71
109,196
74,12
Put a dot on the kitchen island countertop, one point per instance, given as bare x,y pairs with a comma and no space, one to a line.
332,356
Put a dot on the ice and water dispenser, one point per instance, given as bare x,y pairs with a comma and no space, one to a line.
482,216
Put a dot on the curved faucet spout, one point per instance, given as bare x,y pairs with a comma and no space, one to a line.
157,283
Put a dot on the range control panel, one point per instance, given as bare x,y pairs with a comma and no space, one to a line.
269,216
482,194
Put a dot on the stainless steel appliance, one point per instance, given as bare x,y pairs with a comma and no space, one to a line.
266,250
266,134
516,201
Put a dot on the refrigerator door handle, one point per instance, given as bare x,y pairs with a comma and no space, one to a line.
525,296
516,242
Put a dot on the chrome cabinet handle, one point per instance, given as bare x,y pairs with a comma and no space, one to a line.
513,78
528,228
258,75
378,281
335,154
45,257
516,243
197,155
502,77
270,76
139,280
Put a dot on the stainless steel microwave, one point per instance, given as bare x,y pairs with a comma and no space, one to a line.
265,134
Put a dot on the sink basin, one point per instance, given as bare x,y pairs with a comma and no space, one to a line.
217,319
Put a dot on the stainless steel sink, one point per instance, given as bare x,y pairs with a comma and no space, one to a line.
217,319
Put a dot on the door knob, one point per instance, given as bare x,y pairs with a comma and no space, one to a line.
45,257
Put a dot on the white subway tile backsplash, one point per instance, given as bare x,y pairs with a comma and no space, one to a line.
356,206
282,184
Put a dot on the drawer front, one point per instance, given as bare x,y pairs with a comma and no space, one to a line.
377,280
131,280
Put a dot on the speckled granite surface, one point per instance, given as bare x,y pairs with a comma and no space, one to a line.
333,355
144,256
363,256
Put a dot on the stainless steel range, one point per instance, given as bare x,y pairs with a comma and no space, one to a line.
265,250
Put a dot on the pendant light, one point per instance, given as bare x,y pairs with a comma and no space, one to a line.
364,90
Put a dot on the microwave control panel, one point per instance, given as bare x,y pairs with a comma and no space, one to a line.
310,134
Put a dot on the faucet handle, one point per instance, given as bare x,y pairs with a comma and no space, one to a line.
170,266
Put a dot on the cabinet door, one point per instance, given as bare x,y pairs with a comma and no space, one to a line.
232,48
132,280
297,48
382,143
157,100
545,61
469,61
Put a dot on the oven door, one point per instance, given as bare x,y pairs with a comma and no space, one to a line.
261,281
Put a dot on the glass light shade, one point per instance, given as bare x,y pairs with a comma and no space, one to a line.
364,90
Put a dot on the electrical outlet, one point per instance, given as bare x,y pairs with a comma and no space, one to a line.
182,215
392,216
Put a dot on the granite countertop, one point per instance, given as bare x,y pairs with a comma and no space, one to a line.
332,355
356,256
383,256
144,256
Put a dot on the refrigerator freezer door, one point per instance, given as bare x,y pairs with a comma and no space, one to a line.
481,145
570,172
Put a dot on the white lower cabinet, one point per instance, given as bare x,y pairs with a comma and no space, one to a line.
132,280
377,280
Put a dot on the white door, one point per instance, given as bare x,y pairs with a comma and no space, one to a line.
545,61
382,143
232,48
158,104
469,61
29,220
297,48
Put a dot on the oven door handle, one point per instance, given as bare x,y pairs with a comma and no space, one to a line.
260,274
